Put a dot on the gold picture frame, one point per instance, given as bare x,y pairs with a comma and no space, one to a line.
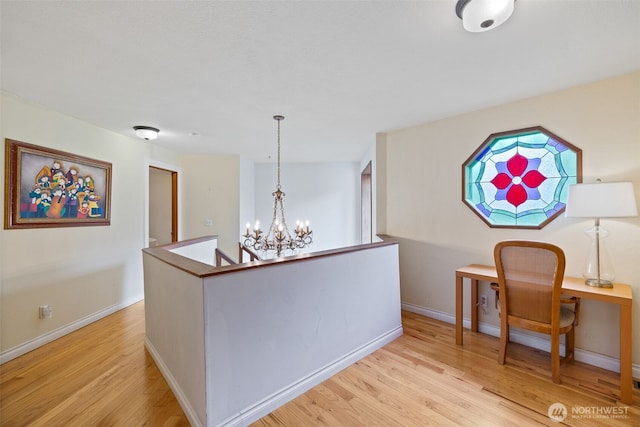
51,188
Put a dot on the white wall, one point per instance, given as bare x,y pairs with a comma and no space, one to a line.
439,233
247,195
210,190
174,319
203,251
232,191
326,194
377,155
82,272
269,340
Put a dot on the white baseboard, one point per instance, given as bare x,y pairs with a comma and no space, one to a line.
273,402
540,342
189,411
279,398
32,344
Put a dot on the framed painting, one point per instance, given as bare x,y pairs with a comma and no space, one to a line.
51,188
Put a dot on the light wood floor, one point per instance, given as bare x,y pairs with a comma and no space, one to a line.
101,375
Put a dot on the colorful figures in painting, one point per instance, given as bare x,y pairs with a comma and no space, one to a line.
60,194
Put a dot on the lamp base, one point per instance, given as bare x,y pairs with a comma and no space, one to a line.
599,283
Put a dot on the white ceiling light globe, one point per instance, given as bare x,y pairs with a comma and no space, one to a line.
483,15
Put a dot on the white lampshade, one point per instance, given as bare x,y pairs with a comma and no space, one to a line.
146,132
601,200
483,15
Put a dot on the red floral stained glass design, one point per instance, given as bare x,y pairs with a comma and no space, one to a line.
520,178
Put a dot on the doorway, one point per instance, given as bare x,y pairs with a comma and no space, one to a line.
366,205
163,206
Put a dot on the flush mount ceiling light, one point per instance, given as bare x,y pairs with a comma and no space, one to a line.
146,132
483,15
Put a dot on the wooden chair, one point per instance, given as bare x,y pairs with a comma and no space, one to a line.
530,280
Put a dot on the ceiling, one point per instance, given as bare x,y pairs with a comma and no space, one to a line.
339,71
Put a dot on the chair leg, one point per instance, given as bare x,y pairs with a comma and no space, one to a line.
569,346
504,339
555,358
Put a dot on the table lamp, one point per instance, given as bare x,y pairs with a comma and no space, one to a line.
600,200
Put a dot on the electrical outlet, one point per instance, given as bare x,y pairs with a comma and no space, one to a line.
208,222
484,302
46,312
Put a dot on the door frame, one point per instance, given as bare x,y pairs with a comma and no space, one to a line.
175,198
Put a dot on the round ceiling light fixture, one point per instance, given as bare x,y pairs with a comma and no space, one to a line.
146,132
483,15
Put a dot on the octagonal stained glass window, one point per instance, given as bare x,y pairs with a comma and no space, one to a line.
520,178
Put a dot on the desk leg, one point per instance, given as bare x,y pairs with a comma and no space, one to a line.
626,380
474,307
458,310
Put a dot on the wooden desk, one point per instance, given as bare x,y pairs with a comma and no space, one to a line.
620,294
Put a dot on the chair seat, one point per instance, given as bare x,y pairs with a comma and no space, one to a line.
567,317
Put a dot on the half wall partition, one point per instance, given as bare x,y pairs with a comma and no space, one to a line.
238,341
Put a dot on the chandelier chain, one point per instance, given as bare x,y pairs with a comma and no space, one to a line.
278,119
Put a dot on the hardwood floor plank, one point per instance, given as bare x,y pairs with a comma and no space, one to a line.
98,375
466,385
101,375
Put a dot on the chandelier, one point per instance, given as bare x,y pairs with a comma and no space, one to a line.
278,239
